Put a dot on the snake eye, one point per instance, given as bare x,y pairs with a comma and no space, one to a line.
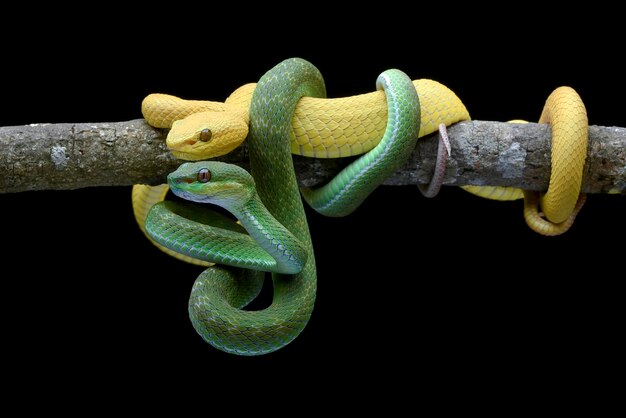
205,135
204,175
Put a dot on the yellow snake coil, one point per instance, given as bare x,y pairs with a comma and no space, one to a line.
342,127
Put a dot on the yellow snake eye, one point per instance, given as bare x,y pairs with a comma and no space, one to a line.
204,175
205,135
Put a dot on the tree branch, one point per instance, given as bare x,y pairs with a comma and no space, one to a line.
71,156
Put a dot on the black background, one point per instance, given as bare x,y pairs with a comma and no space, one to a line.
453,286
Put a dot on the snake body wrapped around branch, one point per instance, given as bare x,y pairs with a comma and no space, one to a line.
270,208
319,127
279,116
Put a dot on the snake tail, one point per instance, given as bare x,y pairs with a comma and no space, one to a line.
444,149
553,212
565,112
539,224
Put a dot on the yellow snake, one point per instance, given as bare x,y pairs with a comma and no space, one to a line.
341,127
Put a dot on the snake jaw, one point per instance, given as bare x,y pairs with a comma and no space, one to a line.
228,195
186,156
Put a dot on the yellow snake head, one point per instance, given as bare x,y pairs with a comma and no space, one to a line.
205,135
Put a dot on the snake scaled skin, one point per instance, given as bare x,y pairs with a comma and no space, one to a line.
352,125
561,108
275,219
565,112
320,127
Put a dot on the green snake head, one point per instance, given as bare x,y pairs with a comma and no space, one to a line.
207,134
233,188
225,185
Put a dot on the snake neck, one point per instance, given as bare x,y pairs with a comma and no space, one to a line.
289,252
239,101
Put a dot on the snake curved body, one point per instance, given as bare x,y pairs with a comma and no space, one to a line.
282,120
565,112
319,127
348,189
273,215
327,128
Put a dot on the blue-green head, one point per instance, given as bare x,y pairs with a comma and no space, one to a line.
226,185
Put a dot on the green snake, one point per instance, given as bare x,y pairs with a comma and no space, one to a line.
274,234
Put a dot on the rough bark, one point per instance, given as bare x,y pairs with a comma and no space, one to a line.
75,155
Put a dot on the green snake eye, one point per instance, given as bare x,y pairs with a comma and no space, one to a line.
204,175
205,135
